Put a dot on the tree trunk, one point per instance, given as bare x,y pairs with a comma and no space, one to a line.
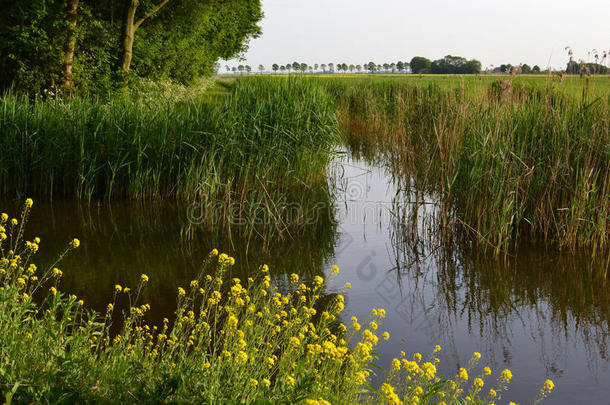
70,44
129,30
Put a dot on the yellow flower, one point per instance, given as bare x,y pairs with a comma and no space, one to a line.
253,382
396,364
118,288
57,272
506,375
214,252
289,381
492,393
294,278
348,285
478,382
3,217
181,291
463,374
144,278
75,243
264,268
266,382
487,371
109,308
29,202
53,290
81,302
385,335
373,325
335,270
417,357
548,385
14,222
437,349
476,355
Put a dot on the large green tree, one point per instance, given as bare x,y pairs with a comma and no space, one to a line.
419,64
90,43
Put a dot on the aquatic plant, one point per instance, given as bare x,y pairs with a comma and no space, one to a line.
231,340
513,163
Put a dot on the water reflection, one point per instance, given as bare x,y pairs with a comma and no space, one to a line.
536,311
539,312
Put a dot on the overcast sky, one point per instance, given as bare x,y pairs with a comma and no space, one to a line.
494,32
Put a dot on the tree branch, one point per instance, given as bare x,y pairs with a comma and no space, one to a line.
149,14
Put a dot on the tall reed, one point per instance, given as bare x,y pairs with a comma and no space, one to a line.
263,146
513,163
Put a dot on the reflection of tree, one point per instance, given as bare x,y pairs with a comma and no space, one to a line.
556,298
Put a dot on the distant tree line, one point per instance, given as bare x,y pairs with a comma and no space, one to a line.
418,64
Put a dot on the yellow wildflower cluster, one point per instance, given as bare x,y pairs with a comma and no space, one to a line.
231,340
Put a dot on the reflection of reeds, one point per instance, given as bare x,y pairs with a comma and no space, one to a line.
514,163
455,287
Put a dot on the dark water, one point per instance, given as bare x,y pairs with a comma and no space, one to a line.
540,313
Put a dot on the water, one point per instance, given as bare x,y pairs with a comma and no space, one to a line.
539,313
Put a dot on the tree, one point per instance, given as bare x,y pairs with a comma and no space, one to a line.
248,69
400,66
241,68
296,66
261,68
303,67
323,66
282,68
536,69
315,67
228,68
351,68
84,43
386,67
130,25
419,64
526,69
275,67
70,43
359,68
372,67
331,67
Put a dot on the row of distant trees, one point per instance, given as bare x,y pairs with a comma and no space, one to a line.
418,64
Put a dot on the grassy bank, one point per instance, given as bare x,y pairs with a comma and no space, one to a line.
513,162
244,155
232,341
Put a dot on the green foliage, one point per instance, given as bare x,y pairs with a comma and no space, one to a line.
455,65
419,64
181,42
32,42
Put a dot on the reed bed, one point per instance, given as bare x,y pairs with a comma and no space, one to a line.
244,157
513,163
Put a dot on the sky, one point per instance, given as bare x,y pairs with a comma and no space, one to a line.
535,32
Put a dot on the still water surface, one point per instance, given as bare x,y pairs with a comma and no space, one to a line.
540,313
